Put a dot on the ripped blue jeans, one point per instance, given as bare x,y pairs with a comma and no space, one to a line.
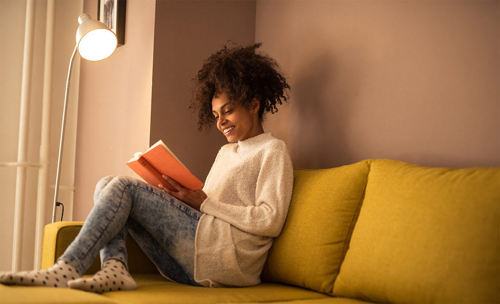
163,227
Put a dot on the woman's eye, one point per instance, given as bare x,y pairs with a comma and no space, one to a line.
228,111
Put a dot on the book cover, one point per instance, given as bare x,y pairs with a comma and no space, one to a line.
159,160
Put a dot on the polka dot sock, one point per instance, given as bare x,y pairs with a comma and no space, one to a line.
112,277
56,276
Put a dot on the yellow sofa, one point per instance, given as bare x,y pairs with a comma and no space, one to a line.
373,231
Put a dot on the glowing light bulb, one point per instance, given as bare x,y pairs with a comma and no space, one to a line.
97,44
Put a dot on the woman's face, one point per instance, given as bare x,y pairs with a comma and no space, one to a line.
235,121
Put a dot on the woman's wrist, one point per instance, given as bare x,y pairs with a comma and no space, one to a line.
196,198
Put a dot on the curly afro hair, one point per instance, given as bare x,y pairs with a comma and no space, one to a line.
243,75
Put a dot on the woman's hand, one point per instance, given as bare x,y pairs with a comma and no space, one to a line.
193,198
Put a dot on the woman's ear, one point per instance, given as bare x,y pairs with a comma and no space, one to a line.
255,105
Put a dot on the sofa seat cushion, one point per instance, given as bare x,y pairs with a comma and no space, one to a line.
324,205
49,295
425,235
155,289
329,300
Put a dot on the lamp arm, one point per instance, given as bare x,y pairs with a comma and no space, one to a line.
61,138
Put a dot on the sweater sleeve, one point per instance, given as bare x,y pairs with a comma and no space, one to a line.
265,216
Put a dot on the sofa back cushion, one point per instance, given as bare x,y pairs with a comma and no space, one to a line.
314,239
425,235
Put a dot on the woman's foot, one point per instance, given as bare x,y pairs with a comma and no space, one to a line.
112,277
56,276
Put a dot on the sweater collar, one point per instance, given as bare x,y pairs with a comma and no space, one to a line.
254,141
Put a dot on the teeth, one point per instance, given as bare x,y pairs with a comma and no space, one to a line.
227,130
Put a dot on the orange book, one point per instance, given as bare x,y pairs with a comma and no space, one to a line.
158,160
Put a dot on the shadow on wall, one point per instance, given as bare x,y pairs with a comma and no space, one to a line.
324,95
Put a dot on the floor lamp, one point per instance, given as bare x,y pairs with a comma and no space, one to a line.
95,41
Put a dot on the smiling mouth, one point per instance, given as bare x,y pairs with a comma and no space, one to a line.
227,130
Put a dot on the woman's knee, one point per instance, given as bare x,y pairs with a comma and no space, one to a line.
111,184
102,183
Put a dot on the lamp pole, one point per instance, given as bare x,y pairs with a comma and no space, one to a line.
61,137
98,42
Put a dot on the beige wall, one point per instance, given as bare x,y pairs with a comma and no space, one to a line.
186,33
114,106
12,14
409,80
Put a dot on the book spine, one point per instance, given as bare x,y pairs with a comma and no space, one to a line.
158,178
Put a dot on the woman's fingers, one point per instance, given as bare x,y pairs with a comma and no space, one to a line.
175,193
194,198
172,182
162,188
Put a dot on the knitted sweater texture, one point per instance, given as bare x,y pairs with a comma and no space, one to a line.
249,188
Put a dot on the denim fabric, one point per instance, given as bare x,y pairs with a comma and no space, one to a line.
163,226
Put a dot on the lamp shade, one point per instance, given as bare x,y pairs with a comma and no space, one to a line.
95,40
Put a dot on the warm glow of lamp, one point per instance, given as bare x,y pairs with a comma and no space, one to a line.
95,41
105,39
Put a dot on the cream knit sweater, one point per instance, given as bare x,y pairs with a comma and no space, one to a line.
249,188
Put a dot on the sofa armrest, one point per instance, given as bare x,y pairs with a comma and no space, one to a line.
57,237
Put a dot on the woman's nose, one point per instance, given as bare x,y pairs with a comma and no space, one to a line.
222,120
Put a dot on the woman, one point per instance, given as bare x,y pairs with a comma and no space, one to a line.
215,236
